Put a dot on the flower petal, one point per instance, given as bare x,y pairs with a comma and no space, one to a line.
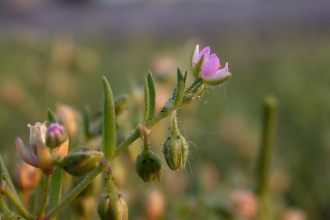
27,157
194,56
205,51
218,78
210,66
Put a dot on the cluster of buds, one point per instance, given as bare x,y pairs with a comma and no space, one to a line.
44,145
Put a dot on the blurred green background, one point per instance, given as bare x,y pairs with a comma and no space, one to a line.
289,58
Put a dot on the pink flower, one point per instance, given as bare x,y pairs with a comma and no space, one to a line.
206,67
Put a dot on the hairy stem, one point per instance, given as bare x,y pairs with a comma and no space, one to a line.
7,214
44,197
15,201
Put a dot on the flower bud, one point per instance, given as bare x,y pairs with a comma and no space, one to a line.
55,135
175,147
80,161
111,205
148,166
39,155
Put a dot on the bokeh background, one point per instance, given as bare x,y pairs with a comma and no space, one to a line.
55,52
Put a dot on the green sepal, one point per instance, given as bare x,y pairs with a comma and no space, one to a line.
152,95
179,89
196,71
213,82
146,102
51,117
108,122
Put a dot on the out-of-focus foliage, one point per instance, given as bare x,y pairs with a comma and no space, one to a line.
37,73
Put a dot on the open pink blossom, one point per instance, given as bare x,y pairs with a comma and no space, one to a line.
206,67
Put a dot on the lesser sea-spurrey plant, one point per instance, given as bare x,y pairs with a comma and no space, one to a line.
49,144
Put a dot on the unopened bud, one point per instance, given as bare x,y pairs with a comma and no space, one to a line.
55,135
80,161
148,166
111,205
175,147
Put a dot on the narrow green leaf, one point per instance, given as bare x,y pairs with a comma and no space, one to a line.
108,122
51,117
146,102
185,77
152,95
86,120
55,194
179,89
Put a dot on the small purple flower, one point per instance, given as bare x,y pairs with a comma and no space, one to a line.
206,67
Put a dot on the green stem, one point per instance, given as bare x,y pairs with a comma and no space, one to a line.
55,188
196,81
144,136
16,202
7,214
6,177
74,193
44,197
265,155
136,134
